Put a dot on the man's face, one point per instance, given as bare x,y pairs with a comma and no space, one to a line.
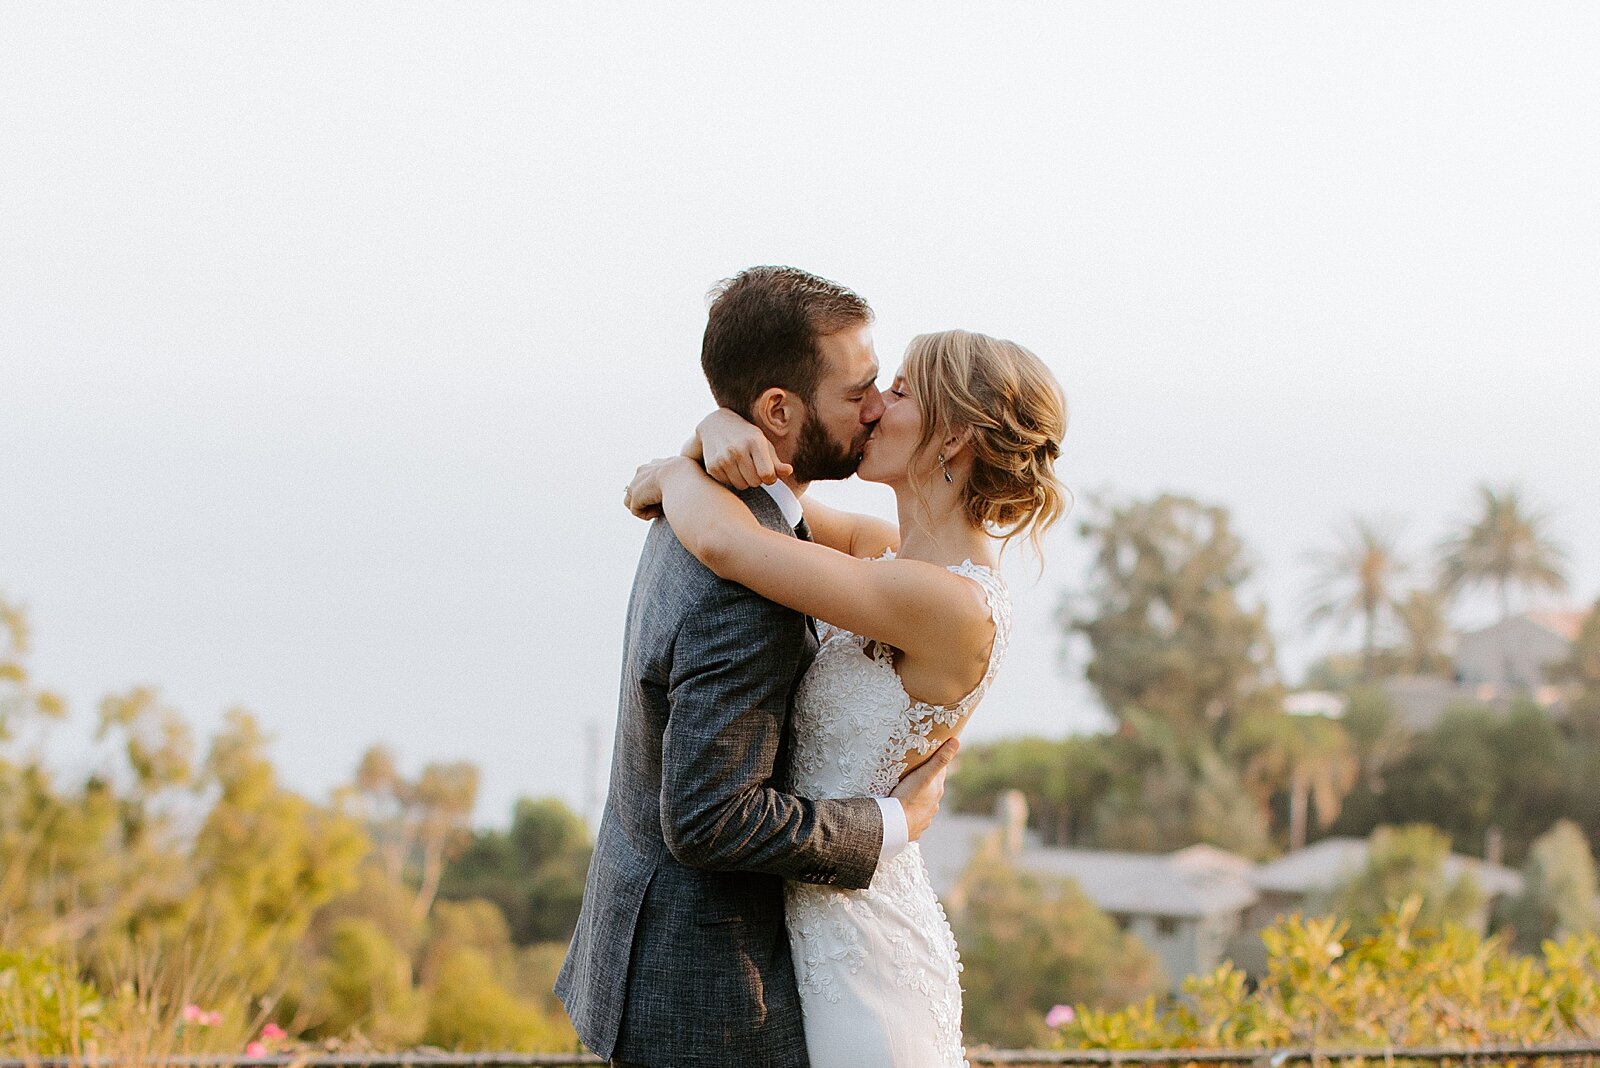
844,409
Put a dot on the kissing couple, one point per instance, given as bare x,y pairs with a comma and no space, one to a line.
793,681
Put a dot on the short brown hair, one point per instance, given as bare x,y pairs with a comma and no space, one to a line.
763,329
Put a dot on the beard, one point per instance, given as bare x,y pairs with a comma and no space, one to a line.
819,458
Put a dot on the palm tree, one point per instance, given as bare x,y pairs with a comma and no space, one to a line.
1358,580
1424,633
1309,756
1507,545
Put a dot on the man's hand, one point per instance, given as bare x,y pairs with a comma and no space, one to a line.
920,792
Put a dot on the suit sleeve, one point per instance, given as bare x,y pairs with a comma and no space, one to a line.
733,669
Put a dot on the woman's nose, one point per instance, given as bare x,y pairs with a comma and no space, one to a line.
872,407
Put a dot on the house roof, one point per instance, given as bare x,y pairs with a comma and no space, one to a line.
949,844
1327,863
1193,882
1563,623
1198,881
1566,624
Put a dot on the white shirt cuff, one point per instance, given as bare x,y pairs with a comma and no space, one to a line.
895,832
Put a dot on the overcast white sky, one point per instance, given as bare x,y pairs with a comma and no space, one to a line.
330,332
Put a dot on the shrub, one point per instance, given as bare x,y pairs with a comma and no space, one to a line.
1406,985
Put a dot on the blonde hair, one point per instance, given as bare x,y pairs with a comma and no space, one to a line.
1017,415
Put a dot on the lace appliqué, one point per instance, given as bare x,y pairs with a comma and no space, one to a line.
853,731
913,734
819,917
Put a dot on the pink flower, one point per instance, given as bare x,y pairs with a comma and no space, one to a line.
255,1049
211,1019
192,1013
1059,1016
272,1032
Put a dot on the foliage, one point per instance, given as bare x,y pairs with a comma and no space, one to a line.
1311,758
1407,864
1407,984
1358,581
1144,788
534,872
1028,941
1167,631
423,818
1424,634
472,1010
1580,671
1559,888
265,859
1376,734
1061,780
365,983
1172,791
1506,545
20,698
159,885
45,1009
1477,772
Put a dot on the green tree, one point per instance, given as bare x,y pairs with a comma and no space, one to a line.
1358,581
418,824
1309,758
1164,620
19,696
364,983
1424,634
469,968
1406,862
1169,790
264,859
1449,778
1531,756
1505,545
1029,942
1580,675
1376,733
1559,888
1062,781
534,872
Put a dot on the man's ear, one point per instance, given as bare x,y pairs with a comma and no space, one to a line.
778,413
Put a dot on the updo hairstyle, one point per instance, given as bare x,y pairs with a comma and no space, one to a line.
1017,415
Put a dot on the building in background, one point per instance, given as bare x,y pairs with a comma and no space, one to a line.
1495,666
1193,908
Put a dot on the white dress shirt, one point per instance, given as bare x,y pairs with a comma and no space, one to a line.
896,833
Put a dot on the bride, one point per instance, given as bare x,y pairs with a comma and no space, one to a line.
914,621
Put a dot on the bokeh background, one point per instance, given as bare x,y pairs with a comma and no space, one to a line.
329,334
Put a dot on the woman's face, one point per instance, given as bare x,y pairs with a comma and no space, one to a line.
887,455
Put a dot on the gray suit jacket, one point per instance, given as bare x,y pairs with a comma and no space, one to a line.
680,956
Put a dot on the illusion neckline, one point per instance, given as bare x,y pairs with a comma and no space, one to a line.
890,554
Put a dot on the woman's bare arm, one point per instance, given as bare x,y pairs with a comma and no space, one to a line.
916,607
861,536
735,453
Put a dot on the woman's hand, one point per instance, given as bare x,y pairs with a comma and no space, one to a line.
643,495
737,454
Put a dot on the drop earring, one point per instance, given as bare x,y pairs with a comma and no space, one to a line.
945,469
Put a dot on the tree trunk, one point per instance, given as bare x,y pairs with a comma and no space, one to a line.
1369,643
1299,799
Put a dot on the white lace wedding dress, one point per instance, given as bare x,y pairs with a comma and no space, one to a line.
878,967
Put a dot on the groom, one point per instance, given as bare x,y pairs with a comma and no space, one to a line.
680,957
